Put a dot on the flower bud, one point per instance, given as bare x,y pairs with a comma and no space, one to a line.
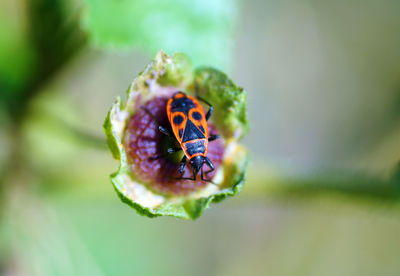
149,178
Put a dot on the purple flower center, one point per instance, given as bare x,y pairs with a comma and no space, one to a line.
143,141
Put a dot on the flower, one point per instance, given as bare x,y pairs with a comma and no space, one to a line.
150,185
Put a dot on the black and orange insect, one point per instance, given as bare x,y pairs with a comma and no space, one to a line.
190,129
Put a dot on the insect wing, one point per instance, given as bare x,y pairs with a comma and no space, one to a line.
178,121
197,117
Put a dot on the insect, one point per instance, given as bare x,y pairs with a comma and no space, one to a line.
189,126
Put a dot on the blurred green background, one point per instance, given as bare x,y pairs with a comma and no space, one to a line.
323,189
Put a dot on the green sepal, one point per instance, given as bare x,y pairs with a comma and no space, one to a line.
111,137
178,73
166,73
230,100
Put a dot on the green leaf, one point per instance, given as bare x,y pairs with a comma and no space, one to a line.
201,28
16,52
163,76
32,50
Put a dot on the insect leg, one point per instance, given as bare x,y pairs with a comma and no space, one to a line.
182,165
213,137
202,177
181,168
188,178
210,164
172,150
162,129
169,151
210,111
194,174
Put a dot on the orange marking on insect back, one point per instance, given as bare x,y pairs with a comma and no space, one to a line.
177,124
197,117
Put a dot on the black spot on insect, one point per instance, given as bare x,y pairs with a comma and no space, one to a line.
178,119
191,132
196,115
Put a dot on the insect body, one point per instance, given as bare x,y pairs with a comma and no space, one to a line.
189,125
